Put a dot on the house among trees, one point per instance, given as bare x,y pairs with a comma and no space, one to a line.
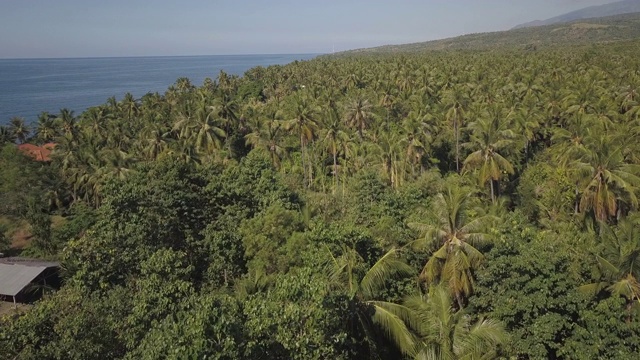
23,280
37,153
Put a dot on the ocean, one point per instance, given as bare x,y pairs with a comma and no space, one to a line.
30,86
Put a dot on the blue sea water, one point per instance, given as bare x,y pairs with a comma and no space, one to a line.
30,86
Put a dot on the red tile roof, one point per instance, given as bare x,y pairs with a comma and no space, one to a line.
37,153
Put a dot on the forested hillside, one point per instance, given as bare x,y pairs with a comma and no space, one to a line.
442,205
580,32
611,9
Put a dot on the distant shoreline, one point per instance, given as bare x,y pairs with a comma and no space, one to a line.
155,56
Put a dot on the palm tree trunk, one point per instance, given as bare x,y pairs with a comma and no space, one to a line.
304,169
460,301
273,159
310,162
493,196
576,202
455,125
335,171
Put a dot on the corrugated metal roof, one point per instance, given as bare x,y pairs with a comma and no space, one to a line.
14,278
28,262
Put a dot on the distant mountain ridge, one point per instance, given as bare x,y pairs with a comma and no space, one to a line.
610,29
616,8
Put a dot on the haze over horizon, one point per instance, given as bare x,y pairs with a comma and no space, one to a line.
73,28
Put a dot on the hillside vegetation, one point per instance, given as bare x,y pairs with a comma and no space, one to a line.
612,9
581,32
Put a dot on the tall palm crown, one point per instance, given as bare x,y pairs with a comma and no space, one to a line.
359,114
364,287
455,100
208,134
6,135
489,137
66,122
334,139
46,129
618,263
388,150
267,133
607,182
456,236
304,123
19,129
445,333
155,140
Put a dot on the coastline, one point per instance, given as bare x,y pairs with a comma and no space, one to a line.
36,85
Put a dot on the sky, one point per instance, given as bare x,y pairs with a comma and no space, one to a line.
96,28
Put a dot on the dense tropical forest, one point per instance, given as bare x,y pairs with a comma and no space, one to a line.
440,205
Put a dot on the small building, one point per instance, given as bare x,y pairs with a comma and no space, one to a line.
37,153
19,276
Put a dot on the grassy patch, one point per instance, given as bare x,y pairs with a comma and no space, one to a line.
18,231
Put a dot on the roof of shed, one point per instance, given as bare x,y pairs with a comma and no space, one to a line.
28,262
14,278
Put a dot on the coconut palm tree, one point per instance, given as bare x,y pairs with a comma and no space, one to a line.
46,130
183,126
224,107
182,151
117,164
455,237
352,81
527,123
388,150
363,289
155,140
6,135
334,140
129,106
417,131
267,133
304,123
66,122
608,184
207,135
489,137
96,120
19,129
359,114
628,98
446,333
618,263
456,101
387,98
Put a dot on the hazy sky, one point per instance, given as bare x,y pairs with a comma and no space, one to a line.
81,28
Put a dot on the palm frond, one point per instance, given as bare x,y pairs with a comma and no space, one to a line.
387,266
627,287
394,327
480,340
592,289
608,269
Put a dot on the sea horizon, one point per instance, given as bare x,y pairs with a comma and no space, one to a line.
30,86
155,56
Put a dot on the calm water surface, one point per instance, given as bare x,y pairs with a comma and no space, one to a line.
30,86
